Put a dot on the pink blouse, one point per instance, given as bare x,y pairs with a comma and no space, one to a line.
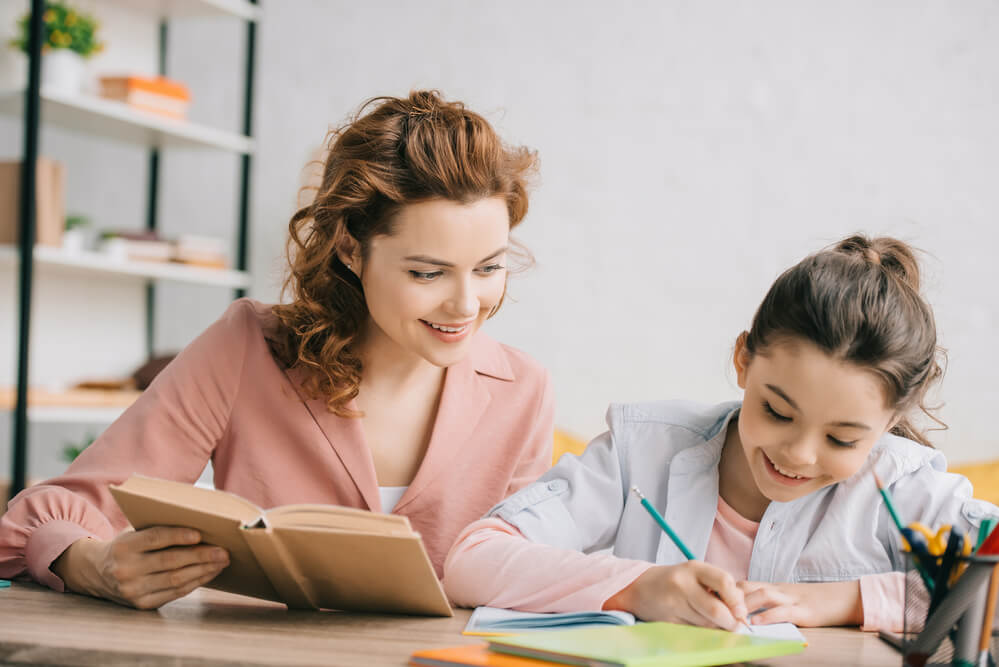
226,399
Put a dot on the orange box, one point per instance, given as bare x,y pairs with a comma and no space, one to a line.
156,94
50,206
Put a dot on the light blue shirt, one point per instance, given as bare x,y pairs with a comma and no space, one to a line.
671,451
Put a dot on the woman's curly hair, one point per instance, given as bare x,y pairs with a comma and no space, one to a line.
394,152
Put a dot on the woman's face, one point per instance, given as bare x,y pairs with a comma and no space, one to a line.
432,283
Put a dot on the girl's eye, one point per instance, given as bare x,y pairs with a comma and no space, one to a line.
773,413
842,443
490,269
425,275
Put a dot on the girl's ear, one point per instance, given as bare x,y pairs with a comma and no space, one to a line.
741,359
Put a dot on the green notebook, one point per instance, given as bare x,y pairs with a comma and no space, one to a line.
644,645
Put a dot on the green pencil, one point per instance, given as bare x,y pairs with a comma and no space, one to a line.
654,513
891,506
662,524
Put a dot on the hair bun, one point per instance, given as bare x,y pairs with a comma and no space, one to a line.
895,257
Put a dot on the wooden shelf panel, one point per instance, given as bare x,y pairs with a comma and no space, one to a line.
187,8
55,259
82,406
115,120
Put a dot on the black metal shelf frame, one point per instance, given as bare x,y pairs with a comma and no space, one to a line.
28,214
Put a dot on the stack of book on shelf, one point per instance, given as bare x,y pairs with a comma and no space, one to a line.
156,94
148,246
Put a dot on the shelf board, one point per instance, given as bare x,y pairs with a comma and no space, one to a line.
187,8
73,406
115,120
95,262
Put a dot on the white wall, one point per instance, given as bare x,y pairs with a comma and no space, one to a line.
690,150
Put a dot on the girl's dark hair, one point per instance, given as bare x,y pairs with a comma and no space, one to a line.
394,152
859,301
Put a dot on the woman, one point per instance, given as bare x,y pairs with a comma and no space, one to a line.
372,388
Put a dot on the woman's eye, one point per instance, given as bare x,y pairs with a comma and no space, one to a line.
773,413
425,275
842,443
490,269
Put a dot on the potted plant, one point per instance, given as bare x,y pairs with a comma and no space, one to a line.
68,37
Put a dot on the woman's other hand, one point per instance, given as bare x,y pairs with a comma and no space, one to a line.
144,569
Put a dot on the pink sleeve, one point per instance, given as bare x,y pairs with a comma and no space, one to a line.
537,458
883,599
169,432
492,564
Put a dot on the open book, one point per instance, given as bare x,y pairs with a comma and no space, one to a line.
307,556
495,622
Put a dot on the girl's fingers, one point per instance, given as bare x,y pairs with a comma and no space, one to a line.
715,612
724,586
778,614
765,598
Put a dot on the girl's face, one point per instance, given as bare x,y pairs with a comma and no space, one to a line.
807,420
432,283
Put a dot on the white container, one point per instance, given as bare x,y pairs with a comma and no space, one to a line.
63,71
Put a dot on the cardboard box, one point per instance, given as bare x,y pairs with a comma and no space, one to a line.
50,211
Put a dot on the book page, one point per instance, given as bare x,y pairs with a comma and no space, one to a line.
189,496
334,517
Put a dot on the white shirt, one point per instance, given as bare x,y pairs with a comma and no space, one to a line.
390,496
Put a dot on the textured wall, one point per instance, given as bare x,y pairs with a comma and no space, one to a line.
690,151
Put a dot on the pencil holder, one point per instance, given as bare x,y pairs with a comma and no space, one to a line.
952,625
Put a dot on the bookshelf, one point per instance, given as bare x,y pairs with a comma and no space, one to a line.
113,122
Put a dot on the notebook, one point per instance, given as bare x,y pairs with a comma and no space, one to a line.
494,622
644,645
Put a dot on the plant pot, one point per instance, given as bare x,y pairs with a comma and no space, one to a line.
63,71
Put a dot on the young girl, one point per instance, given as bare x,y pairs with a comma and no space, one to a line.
372,387
774,495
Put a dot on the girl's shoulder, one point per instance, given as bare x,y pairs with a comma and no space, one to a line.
894,458
701,419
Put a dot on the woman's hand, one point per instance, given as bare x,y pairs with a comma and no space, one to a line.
806,605
143,569
693,593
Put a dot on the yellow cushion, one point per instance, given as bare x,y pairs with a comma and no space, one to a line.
984,477
566,443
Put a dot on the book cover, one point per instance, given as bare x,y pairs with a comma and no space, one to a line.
644,645
307,556
475,655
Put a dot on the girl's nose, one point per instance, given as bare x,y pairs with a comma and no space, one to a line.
801,452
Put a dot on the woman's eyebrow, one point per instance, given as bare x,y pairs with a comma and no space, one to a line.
426,259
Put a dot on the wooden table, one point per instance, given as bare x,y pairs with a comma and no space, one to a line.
41,627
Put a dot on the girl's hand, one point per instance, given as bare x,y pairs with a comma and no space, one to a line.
806,605
144,569
684,593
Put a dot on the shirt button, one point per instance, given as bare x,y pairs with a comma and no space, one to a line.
553,486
